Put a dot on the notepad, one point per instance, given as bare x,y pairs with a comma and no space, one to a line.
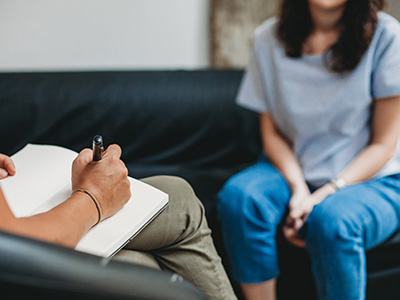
43,180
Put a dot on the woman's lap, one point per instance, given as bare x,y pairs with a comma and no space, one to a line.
370,209
341,228
254,202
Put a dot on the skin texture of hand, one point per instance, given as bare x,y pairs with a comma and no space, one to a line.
105,179
300,206
7,167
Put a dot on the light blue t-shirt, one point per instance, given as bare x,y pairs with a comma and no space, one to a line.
325,116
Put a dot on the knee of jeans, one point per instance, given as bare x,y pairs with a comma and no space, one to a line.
329,227
246,206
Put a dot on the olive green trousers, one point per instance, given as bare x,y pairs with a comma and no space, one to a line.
179,241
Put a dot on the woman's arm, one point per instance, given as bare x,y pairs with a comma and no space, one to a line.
385,135
68,222
65,224
284,159
281,154
383,146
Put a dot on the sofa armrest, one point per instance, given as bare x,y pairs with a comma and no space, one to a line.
38,270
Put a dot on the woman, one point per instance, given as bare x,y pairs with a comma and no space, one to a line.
178,239
325,79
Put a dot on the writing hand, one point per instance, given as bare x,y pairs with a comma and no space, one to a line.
106,179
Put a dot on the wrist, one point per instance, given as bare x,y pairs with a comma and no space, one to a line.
87,207
320,194
338,183
328,189
300,188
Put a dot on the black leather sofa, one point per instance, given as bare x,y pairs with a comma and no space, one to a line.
30,269
181,123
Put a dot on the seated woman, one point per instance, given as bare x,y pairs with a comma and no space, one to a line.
325,80
179,238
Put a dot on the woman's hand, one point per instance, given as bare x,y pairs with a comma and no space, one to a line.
106,179
6,166
300,206
297,207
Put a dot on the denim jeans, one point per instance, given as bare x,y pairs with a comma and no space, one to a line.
253,203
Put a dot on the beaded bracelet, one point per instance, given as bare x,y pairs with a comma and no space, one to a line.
94,201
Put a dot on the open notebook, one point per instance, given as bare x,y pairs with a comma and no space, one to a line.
43,180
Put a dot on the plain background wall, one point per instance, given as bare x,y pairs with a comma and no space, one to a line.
103,34
111,34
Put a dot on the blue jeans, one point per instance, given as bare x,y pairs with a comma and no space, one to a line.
253,203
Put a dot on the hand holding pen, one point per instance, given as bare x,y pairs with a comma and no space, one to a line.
104,176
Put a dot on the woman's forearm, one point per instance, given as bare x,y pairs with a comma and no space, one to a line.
280,154
367,163
383,146
65,224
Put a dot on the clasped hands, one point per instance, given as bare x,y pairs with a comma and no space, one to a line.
301,204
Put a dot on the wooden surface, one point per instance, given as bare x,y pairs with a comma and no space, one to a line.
233,23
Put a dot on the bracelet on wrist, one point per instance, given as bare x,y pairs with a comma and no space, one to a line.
338,183
96,203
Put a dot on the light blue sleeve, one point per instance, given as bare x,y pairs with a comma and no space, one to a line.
252,89
386,71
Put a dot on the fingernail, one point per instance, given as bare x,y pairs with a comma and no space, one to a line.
3,173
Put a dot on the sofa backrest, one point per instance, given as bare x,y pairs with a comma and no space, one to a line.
182,123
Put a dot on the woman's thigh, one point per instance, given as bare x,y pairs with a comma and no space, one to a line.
342,227
369,211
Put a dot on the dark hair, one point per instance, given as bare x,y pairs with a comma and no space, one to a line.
357,26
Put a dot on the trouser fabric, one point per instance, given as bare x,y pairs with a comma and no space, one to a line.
253,204
179,240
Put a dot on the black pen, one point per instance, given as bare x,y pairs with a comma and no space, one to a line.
97,147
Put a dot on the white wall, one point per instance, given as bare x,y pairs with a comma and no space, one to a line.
103,34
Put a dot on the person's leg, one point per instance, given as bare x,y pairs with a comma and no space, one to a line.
265,290
137,257
251,206
342,227
180,240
